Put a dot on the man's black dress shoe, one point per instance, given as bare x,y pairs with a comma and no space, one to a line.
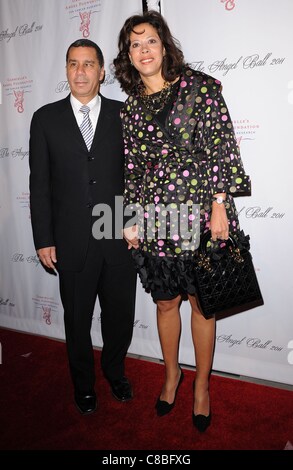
86,403
121,389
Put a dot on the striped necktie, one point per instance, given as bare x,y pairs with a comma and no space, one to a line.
86,127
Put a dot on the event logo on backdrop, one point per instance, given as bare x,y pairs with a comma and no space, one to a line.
45,308
245,129
17,153
6,303
249,62
82,11
21,258
16,87
268,345
24,202
20,31
229,4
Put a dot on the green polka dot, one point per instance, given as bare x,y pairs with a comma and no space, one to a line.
143,147
208,109
140,134
149,117
203,89
194,182
173,176
185,135
177,250
238,180
234,169
217,141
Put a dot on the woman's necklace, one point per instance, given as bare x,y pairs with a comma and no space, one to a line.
156,101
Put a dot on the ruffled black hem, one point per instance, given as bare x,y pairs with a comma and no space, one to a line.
171,275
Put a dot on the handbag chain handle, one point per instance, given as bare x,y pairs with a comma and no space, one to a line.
204,260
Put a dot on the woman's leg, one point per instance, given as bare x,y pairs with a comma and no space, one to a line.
169,328
203,335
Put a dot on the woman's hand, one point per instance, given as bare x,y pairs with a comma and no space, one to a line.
131,236
219,225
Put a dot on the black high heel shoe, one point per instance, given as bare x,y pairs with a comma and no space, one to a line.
201,422
163,407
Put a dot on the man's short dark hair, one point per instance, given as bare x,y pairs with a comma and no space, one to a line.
87,43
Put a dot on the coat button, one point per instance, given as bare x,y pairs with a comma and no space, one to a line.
92,181
90,159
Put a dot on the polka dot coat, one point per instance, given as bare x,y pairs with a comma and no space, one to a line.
183,163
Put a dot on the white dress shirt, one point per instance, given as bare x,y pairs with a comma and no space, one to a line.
94,105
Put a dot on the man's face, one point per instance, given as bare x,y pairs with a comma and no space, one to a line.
84,73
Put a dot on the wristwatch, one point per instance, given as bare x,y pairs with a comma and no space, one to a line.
219,200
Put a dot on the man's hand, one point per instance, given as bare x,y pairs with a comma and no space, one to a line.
48,256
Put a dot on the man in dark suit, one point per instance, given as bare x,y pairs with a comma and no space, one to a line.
69,176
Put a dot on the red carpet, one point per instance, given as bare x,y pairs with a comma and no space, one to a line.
38,413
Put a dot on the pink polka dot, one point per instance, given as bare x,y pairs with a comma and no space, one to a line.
209,101
185,173
150,128
164,151
218,82
234,223
161,243
177,121
215,168
224,117
175,237
130,166
191,217
161,254
183,84
171,187
215,178
161,173
136,117
126,151
158,209
156,199
146,215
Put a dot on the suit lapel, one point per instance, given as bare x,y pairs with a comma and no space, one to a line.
104,122
69,124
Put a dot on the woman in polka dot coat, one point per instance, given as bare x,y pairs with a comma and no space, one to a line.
182,164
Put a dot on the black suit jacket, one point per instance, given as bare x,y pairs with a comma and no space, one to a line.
66,181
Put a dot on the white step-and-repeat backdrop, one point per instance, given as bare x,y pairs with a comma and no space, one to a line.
247,44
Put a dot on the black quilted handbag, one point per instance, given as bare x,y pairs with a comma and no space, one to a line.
225,277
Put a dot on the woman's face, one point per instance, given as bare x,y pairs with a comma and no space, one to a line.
146,50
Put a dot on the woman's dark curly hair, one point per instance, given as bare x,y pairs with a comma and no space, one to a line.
173,62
